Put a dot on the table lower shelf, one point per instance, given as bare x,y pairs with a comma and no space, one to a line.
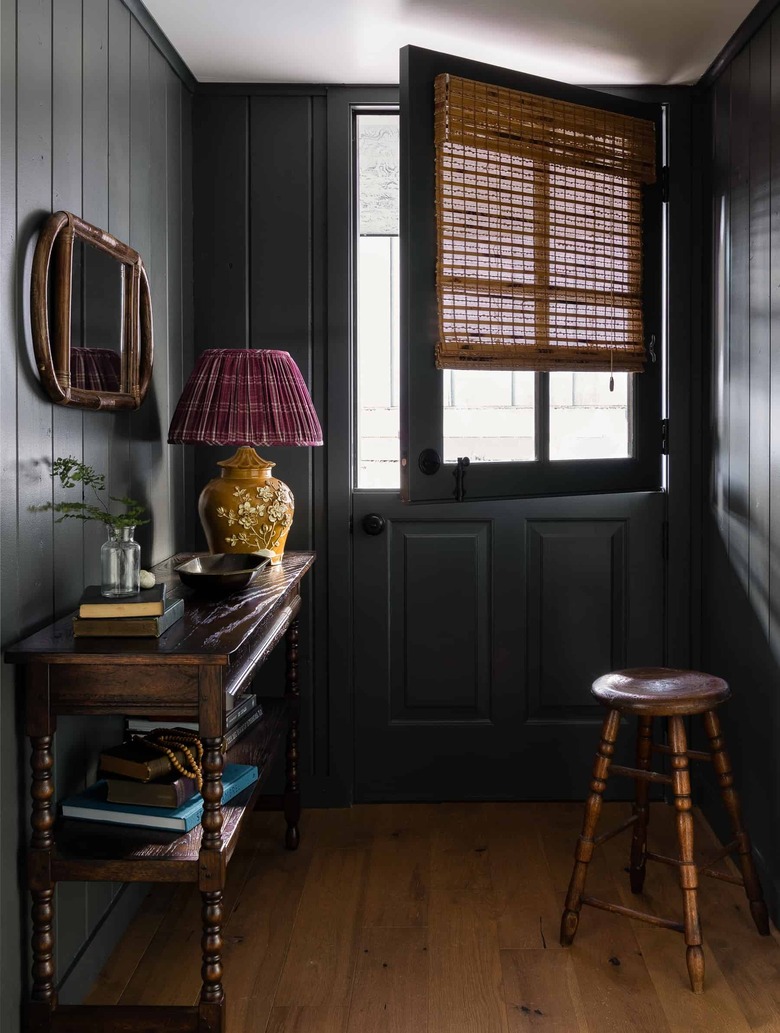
92,851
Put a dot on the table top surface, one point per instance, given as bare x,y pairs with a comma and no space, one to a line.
211,627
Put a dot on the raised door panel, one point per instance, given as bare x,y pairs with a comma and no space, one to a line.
577,619
440,585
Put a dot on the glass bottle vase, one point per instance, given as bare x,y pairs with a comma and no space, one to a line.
120,563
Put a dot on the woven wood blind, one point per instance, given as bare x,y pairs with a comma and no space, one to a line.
539,222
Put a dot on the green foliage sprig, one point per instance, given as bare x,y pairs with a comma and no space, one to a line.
73,473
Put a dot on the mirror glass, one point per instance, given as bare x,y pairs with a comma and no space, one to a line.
96,319
91,316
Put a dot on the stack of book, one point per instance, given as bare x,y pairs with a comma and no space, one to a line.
148,613
242,713
94,803
139,785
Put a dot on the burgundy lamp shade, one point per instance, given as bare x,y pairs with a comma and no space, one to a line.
238,396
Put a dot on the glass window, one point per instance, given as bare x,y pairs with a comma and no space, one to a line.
489,416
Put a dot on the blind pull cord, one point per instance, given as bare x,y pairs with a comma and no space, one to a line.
611,365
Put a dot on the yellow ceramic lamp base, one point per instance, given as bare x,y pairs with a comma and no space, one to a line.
246,509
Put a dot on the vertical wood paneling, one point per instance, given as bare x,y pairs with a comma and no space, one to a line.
10,915
739,318
280,297
221,240
175,381
741,594
67,435
758,288
143,423
34,424
163,534
719,437
84,131
95,210
119,200
774,341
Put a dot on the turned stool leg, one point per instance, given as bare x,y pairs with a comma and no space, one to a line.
689,876
722,764
584,850
644,743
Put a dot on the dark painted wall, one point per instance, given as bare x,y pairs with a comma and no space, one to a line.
96,121
259,181
741,602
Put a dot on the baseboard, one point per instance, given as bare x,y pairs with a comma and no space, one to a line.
91,959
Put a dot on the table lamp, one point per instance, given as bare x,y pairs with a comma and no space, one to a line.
246,397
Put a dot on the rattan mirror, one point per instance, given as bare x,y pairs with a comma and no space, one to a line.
91,316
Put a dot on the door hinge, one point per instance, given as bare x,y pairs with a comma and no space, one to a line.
665,183
664,437
665,540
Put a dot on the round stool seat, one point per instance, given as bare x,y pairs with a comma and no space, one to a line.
660,691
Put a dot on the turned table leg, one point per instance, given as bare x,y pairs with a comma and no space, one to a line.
40,730
585,844
211,859
292,792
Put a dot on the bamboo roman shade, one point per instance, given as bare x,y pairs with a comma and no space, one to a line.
539,223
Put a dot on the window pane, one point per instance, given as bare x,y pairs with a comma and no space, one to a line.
488,416
377,343
587,420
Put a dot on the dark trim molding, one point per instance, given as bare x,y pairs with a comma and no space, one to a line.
283,89
261,89
751,24
161,41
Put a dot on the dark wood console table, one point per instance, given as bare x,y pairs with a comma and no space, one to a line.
215,650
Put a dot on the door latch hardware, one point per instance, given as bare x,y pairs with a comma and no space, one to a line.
459,473
373,523
429,461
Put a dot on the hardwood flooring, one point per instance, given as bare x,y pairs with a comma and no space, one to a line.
443,918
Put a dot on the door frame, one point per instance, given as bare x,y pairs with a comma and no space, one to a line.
684,336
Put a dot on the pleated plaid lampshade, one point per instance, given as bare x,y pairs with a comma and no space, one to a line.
239,396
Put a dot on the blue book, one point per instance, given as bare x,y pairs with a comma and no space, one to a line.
91,805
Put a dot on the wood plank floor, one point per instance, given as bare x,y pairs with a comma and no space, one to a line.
443,918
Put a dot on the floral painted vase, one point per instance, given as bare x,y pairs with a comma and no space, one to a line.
246,509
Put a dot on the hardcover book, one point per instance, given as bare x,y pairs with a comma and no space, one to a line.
129,627
142,725
149,602
242,727
92,805
171,791
137,760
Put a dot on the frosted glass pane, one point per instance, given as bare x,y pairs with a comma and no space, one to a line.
489,416
587,420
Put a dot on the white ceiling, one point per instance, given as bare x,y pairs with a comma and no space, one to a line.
342,41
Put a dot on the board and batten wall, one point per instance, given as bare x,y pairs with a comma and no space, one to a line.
94,120
741,541
260,273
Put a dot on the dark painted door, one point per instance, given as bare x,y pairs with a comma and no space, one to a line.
480,625
479,631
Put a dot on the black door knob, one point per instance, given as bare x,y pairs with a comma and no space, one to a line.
373,523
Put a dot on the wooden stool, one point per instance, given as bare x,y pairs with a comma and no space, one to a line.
652,692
